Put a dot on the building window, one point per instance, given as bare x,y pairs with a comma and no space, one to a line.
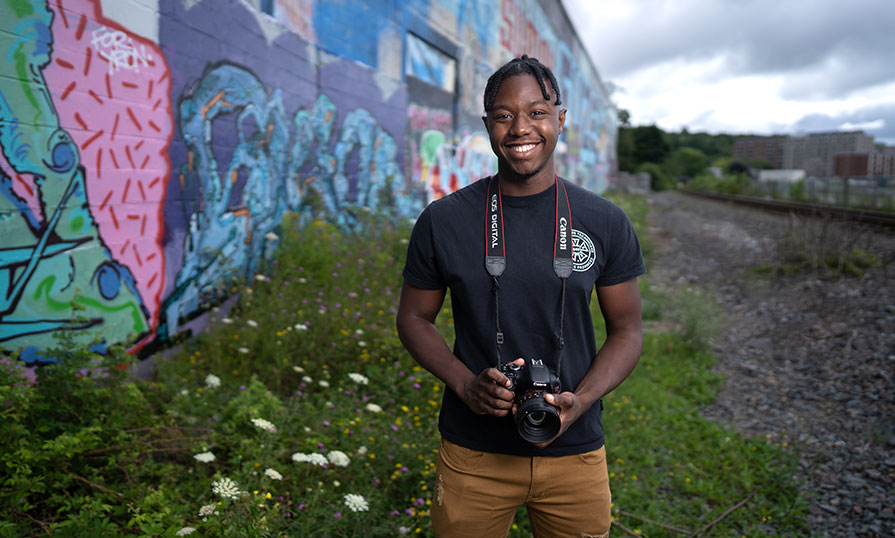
267,6
429,64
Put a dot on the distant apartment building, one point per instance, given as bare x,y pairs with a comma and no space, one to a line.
816,153
768,148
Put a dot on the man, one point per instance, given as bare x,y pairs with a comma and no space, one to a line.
521,280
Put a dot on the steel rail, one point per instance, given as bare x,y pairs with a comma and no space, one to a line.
863,216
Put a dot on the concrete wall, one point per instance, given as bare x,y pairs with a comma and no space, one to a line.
150,147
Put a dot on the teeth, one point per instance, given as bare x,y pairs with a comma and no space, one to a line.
523,149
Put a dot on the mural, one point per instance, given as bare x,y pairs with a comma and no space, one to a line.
226,239
139,173
84,124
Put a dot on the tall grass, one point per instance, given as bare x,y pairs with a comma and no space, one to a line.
304,398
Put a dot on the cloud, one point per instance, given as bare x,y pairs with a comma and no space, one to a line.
878,121
827,48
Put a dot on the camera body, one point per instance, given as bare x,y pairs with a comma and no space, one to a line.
536,420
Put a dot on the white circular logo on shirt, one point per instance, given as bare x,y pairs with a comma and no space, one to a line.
583,252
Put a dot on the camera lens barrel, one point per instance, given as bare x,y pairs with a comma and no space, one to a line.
536,420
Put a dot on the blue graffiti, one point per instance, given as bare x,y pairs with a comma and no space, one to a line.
229,233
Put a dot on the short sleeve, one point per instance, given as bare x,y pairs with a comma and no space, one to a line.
421,269
624,260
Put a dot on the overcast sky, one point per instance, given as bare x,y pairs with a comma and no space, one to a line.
746,66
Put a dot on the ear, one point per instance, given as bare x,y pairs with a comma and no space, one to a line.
485,121
562,119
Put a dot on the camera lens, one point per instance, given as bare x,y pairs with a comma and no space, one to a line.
536,420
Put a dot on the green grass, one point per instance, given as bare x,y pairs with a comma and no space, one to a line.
90,451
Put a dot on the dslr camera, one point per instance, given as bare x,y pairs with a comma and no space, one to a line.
536,420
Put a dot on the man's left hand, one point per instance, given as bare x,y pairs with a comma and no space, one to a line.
570,408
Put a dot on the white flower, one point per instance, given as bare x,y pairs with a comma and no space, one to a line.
338,458
298,369
184,392
300,457
243,350
228,321
317,459
301,327
324,383
265,425
260,278
302,280
359,378
251,323
336,483
205,457
272,474
307,379
356,503
270,236
361,451
361,343
212,381
208,510
226,488
184,531
373,408
358,332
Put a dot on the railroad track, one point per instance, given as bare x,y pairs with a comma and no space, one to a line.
864,216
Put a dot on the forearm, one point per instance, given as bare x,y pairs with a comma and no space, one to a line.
429,349
612,365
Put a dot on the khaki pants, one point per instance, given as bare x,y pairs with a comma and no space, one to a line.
477,494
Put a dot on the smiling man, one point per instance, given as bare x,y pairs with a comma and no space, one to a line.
521,252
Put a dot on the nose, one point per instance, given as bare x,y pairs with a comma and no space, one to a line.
521,125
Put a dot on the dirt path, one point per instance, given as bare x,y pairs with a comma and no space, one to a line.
809,359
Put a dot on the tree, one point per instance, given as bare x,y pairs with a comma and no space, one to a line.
649,144
687,162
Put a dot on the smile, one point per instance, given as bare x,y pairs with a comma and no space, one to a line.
523,148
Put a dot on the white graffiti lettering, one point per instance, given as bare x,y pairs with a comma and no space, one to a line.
118,49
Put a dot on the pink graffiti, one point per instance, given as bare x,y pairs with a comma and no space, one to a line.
426,118
121,120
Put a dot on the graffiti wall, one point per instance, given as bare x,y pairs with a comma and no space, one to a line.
148,150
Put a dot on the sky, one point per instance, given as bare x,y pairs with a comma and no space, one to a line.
746,66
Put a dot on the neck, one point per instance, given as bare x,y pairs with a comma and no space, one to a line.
512,184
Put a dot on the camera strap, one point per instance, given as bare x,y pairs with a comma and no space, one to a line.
496,260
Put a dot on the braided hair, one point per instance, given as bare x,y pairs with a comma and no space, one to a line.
521,66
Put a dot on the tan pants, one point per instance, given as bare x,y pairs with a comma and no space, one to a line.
477,494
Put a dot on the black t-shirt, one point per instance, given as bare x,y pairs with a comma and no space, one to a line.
447,250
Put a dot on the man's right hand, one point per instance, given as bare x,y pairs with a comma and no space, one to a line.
486,393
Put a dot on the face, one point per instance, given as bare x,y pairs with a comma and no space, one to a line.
524,127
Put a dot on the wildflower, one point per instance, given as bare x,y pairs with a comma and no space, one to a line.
207,510
212,381
337,515
361,451
301,327
358,378
260,278
298,369
317,459
227,321
265,425
243,350
324,383
373,408
356,503
361,343
184,531
307,379
205,457
270,236
302,280
338,458
272,474
300,457
226,488
251,323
